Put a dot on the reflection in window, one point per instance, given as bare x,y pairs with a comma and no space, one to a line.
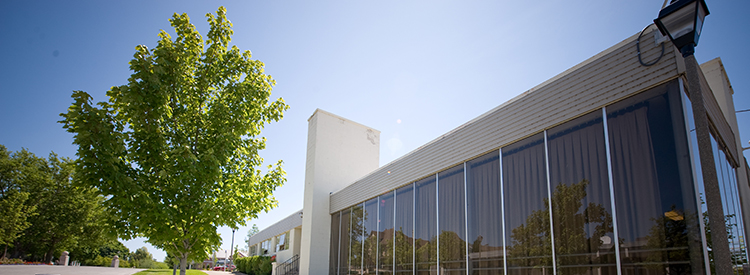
333,259
728,187
425,226
265,246
370,230
385,233
345,240
526,207
654,195
357,239
452,221
581,202
485,224
404,220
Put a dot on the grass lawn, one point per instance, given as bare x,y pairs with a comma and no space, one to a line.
169,272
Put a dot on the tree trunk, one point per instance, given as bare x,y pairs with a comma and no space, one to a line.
183,263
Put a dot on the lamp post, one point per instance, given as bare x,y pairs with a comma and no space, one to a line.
682,21
231,248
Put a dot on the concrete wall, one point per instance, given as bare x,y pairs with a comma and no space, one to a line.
339,151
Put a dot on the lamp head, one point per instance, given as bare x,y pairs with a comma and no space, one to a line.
682,22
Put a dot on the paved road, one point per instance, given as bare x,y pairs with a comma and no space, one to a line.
64,270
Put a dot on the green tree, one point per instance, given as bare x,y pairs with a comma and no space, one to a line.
175,150
250,232
58,215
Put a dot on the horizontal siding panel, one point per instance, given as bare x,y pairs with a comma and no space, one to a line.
610,76
288,223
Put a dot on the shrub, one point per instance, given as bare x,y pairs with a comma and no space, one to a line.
254,265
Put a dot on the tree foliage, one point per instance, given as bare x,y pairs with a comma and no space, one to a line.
55,216
175,150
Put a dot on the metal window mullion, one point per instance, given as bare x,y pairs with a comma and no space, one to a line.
437,219
377,238
413,228
351,225
549,201
502,210
612,192
362,256
393,268
338,255
466,220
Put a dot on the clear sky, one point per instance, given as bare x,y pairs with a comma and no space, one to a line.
411,69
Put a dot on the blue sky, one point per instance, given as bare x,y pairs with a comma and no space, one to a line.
411,69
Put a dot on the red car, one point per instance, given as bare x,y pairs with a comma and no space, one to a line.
222,268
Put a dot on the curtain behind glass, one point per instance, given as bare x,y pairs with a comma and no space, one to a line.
425,226
581,202
526,207
385,234
654,192
345,241
333,257
404,223
356,232
452,221
484,211
370,251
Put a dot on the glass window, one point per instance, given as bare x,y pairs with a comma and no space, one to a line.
425,225
344,240
282,242
526,207
357,239
654,194
728,186
370,251
404,224
333,261
265,246
485,223
385,233
581,199
452,221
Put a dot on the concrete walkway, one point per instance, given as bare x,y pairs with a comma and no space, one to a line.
64,270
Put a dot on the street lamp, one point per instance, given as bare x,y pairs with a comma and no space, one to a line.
682,22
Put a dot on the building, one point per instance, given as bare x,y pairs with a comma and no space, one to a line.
606,145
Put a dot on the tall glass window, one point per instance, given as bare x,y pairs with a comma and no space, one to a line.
654,193
527,219
356,234
385,233
404,223
425,226
333,258
370,251
728,186
345,240
485,223
581,201
452,221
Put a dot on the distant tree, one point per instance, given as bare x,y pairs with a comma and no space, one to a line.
175,151
250,232
58,215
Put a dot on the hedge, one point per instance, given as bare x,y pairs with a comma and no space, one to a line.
254,265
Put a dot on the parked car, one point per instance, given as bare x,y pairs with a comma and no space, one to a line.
222,268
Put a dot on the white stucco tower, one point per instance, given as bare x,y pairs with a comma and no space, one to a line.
339,151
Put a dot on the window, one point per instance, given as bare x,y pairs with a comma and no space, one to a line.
265,246
282,241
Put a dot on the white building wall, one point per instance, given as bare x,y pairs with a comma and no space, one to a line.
339,151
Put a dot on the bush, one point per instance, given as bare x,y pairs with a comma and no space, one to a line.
255,265
10,261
